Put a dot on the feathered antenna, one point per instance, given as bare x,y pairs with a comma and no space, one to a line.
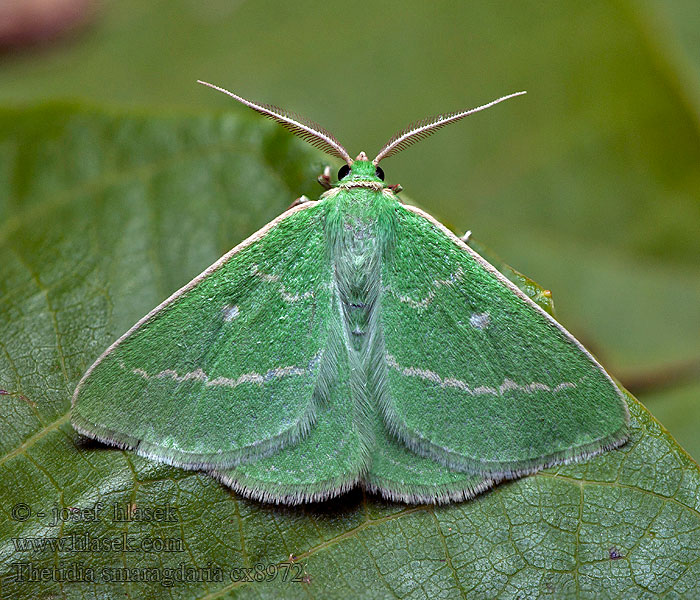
305,129
422,129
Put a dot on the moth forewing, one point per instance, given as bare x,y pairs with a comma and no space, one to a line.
505,389
185,386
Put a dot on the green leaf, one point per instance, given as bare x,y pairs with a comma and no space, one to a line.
105,215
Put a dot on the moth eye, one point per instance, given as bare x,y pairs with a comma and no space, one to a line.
379,173
343,171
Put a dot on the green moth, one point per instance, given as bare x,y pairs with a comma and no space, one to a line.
354,340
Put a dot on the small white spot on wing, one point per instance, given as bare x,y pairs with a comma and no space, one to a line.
480,320
229,312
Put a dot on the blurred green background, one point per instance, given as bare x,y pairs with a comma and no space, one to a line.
590,183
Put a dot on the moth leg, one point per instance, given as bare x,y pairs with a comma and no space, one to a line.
300,200
396,188
325,178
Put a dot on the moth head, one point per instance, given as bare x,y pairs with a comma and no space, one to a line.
361,169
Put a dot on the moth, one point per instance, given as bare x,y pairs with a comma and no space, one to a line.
354,340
